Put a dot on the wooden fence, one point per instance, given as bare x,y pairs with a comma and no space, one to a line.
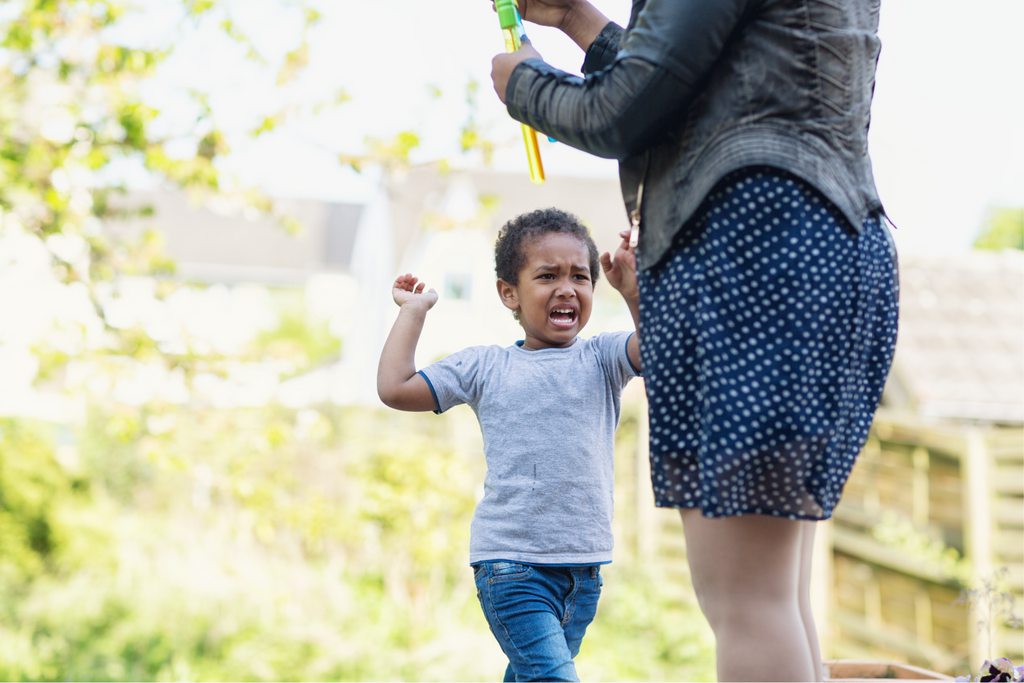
886,584
952,487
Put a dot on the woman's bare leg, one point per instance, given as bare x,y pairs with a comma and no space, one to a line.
746,572
806,554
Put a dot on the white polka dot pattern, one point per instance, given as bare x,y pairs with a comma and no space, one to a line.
766,337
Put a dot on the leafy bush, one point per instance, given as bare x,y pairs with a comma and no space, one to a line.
269,544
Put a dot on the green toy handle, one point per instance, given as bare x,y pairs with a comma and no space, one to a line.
508,16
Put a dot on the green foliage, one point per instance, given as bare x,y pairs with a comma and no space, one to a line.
296,564
1004,229
48,520
471,136
294,62
231,29
666,637
899,533
300,339
89,116
418,498
389,153
272,544
71,113
340,97
109,448
268,124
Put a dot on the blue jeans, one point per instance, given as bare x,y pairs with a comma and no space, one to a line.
538,615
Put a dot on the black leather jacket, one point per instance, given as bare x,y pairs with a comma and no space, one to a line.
696,89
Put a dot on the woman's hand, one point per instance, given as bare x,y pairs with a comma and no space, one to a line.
621,271
546,12
578,19
502,66
408,291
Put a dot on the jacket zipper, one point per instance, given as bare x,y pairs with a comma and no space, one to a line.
634,215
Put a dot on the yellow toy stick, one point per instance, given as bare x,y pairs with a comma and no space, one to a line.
512,28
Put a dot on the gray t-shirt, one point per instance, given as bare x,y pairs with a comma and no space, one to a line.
548,419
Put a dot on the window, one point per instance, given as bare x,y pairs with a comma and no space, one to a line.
458,286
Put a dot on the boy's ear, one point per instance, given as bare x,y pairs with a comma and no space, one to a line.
509,295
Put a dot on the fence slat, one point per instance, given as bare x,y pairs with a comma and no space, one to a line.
1008,480
1009,512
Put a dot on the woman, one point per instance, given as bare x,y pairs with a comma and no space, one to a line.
768,279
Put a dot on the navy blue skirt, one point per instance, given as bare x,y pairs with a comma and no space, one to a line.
766,337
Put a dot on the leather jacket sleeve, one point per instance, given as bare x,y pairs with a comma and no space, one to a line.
620,109
603,50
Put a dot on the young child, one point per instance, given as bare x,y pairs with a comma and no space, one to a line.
548,407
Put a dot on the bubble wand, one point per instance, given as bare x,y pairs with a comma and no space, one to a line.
512,28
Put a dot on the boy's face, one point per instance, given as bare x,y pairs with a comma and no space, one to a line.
555,291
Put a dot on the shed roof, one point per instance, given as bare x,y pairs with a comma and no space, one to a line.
960,351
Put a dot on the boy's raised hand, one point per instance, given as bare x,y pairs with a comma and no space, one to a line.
398,384
621,274
621,271
409,290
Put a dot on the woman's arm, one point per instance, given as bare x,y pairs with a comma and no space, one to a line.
618,112
398,384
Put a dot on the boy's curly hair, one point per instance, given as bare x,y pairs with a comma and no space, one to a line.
510,248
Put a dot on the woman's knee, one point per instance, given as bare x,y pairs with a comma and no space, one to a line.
748,609
743,565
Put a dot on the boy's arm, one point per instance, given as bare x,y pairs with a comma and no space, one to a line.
621,274
398,384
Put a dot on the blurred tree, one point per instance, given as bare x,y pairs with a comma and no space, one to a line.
392,154
72,119
1003,230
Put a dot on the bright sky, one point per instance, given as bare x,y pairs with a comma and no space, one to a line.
947,135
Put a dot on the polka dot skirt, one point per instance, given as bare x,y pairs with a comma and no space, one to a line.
766,336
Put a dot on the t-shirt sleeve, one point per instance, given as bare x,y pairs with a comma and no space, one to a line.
456,378
612,351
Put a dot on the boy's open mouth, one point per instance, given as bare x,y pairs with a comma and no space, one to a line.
564,316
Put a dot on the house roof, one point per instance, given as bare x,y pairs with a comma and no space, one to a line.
218,241
960,351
